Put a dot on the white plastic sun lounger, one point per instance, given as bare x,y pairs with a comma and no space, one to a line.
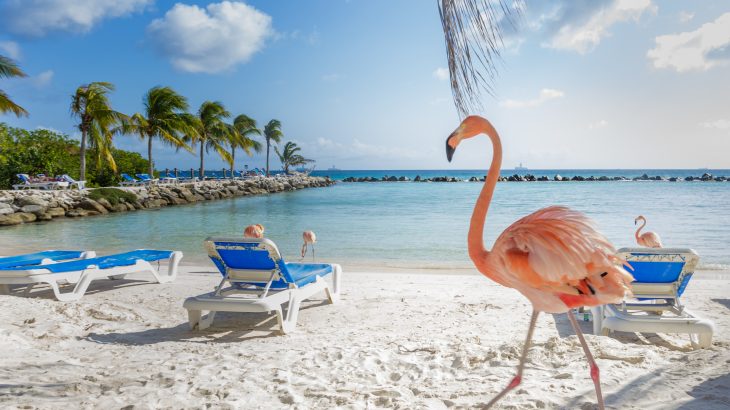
661,276
82,272
260,281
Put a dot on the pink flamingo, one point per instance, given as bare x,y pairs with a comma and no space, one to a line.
254,231
554,257
309,239
646,239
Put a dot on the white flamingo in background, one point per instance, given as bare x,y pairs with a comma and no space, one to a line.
646,239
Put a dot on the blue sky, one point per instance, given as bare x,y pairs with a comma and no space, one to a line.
361,84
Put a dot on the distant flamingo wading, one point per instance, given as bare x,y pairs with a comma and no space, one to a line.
309,239
554,257
646,239
254,231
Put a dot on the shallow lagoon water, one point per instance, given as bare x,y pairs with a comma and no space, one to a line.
409,225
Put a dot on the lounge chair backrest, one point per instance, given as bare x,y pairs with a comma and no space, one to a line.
67,178
24,177
127,177
657,272
250,260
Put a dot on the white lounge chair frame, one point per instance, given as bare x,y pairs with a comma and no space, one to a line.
36,274
202,309
657,316
49,185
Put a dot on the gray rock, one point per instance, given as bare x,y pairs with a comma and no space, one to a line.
6,208
31,200
91,205
33,209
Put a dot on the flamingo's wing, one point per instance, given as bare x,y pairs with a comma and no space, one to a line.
558,249
652,240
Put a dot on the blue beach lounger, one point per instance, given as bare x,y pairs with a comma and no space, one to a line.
83,271
260,281
128,180
43,258
168,178
661,276
146,179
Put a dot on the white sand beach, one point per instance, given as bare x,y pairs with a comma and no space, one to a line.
395,340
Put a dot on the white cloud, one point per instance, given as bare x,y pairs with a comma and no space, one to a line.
210,39
597,124
546,94
332,77
685,16
38,17
584,37
699,50
10,49
717,124
441,73
42,79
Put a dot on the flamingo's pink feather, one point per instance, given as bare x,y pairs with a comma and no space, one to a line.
558,259
650,240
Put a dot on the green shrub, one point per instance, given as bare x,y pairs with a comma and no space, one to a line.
113,195
51,153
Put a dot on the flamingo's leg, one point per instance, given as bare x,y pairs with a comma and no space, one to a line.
518,378
595,373
312,252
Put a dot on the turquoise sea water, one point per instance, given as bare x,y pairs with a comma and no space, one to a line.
414,225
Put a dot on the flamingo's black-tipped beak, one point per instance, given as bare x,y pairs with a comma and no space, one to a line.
450,146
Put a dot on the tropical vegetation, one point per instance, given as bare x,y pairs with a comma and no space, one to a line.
165,118
9,69
43,151
272,132
212,132
90,104
290,156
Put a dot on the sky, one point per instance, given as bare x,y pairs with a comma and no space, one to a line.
363,84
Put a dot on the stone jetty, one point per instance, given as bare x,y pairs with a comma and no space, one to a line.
26,206
532,178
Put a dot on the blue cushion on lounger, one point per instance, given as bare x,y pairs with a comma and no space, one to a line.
104,262
36,258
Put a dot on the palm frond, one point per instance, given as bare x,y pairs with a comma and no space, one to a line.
7,105
473,36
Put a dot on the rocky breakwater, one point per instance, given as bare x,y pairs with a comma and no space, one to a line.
26,206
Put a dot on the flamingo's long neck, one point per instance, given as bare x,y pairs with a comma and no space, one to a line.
643,224
477,251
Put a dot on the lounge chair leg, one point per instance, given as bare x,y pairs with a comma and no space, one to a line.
206,320
194,318
333,292
595,373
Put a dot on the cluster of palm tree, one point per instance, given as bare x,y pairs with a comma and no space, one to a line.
9,69
166,118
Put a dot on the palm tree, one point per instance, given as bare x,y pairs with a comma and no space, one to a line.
272,132
212,131
164,118
8,69
244,127
91,105
473,36
290,157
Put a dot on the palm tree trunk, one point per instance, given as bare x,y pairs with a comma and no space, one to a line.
268,144
202,153
82,151
233,159
149,156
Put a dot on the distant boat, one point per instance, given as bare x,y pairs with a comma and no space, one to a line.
333,168
520,168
